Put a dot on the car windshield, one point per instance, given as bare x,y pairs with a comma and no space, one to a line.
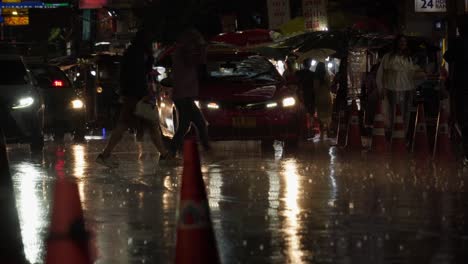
252,68
51,75
13,72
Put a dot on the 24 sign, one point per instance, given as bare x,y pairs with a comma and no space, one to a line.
430,6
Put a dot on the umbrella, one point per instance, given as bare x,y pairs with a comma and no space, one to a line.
334,40
317,54
277,53
280,49
244,38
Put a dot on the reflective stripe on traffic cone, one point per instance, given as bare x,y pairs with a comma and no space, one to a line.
342,129
196,242
379,143
420,146
354,129
398,134
443,147
68,241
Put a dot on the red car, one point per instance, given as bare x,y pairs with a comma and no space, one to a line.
245,98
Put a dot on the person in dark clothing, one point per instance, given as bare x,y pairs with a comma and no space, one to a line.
457,57
189,66
306,84
136,64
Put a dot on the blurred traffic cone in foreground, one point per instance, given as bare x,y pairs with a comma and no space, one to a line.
354,129
443,147
379,143
68,241
420,146
398,134
342,129
196,242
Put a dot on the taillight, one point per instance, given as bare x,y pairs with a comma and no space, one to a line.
57,83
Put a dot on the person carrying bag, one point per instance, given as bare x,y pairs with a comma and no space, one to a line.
135,98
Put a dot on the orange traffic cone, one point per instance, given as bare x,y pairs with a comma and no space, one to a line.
420,146
354,130
342,130
196,242
398,134
68,241
442,146
379,143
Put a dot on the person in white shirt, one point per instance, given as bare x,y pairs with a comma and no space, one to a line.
395,79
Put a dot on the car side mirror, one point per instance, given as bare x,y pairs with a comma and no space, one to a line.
167,82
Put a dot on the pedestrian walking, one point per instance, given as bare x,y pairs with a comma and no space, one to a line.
323,97
395,79
372,93
457,57
188,69
136,64
305,79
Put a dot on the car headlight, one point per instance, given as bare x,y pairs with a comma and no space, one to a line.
77,104
289,101
272,105
23,103
212,105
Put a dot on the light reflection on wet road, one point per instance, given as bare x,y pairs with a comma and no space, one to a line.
316,205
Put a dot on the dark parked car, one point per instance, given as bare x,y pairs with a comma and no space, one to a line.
64,105
22,115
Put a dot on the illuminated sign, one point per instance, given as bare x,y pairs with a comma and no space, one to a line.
315,15
430,6
17,21
92,4
278,13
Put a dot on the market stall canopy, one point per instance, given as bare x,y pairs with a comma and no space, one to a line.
245,38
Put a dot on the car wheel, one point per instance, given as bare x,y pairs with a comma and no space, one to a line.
37,143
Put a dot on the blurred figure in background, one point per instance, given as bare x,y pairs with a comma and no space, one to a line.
323,97
395,80
305,79
457,57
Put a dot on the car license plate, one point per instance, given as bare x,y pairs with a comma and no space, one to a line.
244,122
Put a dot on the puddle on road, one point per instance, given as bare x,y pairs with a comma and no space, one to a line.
316,205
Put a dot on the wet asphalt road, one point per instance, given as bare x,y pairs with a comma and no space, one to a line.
314,205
